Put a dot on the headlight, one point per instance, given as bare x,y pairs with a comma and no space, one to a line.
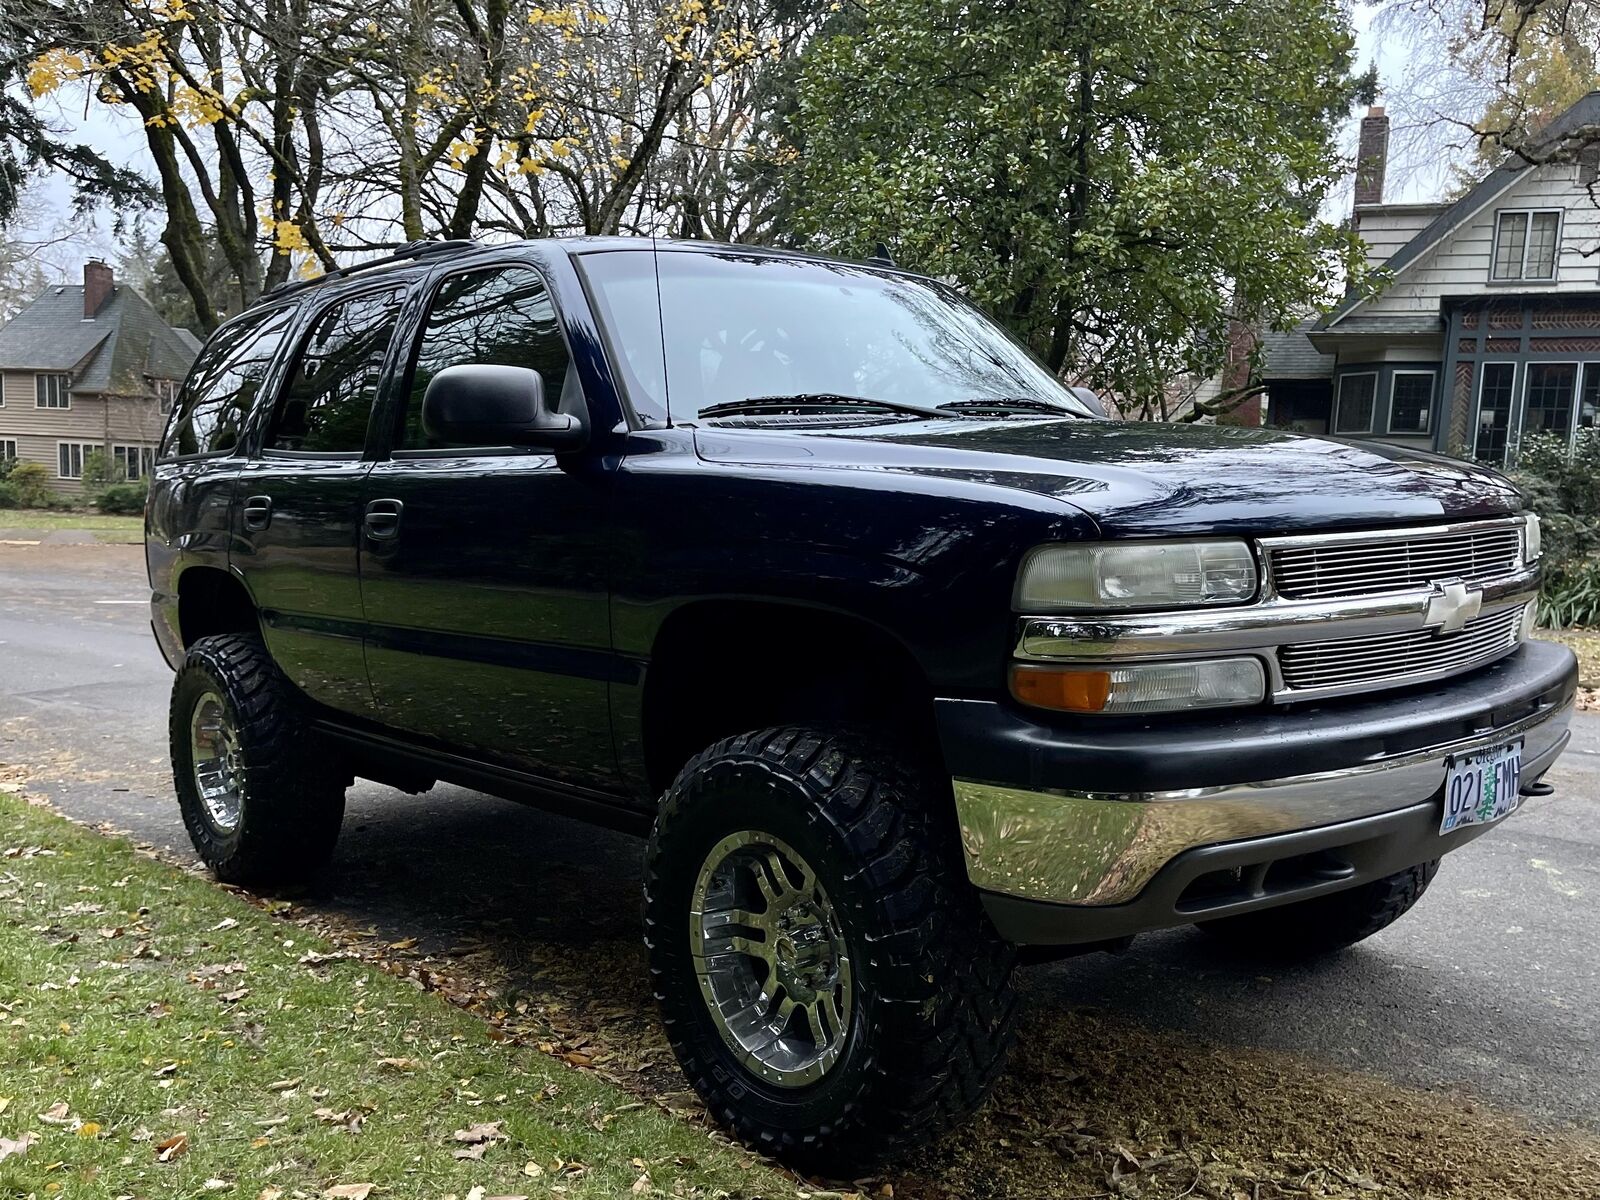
1136,575
1532,540
1141,687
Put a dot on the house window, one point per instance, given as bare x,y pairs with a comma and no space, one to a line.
50,391
166,392
70,456
1410,401
1525,245
8,449
1352,413
132,462
1495,395
1549,396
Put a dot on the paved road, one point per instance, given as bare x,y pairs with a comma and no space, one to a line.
1492,982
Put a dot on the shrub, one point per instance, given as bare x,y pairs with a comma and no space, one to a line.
1565,491
7,465
121,498
8,494
32,482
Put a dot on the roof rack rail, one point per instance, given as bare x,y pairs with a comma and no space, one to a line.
423,248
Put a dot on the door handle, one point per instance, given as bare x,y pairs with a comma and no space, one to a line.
383,519
257,513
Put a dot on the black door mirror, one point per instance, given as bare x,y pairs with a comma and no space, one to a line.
479,404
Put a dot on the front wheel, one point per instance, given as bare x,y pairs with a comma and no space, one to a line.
1313,928
826,975
259,796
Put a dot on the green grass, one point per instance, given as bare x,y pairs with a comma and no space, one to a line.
106,526
153,1004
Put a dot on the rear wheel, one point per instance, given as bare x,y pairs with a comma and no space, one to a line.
259,797
1313,928
826,974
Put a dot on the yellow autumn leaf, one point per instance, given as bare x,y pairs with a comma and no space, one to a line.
89,1129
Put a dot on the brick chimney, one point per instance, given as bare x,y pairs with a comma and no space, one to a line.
98,284
1372,156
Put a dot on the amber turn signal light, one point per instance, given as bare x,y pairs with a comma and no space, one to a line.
1065,689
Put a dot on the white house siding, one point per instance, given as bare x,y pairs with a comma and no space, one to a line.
1459,264
1385,228
104,421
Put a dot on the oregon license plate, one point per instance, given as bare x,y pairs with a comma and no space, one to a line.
1481,788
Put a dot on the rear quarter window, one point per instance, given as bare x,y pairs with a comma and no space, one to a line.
224,384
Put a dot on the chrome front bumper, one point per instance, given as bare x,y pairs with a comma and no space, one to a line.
1100,848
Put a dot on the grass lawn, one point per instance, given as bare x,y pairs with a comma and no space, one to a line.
106,526
160,1036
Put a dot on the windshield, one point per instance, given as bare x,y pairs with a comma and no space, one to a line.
738,327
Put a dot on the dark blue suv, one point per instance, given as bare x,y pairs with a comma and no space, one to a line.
901,655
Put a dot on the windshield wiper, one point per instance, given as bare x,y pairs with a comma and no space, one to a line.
801,403
1007,405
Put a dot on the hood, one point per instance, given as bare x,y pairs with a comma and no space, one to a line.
1144,479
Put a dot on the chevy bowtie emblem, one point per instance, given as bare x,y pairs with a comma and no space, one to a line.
1452,605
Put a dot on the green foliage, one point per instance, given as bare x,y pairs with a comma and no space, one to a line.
122,497
99,471
1114,179
1565,491
7,465
32,483
8,494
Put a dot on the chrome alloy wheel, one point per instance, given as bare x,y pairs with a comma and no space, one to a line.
218,763
773,966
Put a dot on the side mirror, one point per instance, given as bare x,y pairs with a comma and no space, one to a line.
1090,399
479,404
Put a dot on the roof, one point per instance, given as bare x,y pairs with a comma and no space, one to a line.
126,341
1289,354
1586,112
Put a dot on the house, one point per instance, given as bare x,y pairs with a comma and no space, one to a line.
88,368
1487,326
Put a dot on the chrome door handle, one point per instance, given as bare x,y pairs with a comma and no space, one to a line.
257,513
383,519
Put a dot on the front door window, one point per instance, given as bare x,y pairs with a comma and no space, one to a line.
1495,398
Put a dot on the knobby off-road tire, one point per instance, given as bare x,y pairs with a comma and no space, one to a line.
277,798
1313,928
922,981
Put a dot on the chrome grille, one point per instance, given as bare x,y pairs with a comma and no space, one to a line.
1363,566
1389,658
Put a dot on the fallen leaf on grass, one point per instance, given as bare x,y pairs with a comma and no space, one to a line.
225,923
641,1185
489,1132
216,1185
348,1191
172,1148
89,1129
399,1064
270,1193
532,1170
235,996
472,1153
56,1114
18,1146
285,1085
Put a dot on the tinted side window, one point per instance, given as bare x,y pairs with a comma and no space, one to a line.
223,385
502,316
329,396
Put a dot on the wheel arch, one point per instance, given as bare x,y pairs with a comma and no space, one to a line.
719,667
213,601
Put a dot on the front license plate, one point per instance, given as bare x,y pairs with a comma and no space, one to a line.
1483,787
